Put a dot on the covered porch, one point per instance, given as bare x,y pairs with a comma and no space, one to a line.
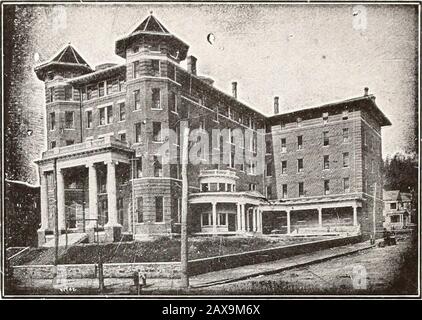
312,217
222,213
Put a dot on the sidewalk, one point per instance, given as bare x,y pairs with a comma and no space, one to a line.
122,286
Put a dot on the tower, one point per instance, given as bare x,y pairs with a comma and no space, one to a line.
62,99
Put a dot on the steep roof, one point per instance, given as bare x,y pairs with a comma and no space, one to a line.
151,24
392,195
68,57
150,30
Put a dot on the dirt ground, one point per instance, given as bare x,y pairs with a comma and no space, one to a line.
387,271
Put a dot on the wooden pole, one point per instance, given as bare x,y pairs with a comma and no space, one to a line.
374,211
56,218
183,231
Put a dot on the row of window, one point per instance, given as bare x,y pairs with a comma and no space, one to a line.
157,165
218,187
324,116
300,166
302,192
299,141
102,88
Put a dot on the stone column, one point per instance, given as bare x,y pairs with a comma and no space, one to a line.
93,200
214,217
44,209
259,213
247,219
44,201
60,200
355,216
319,217
239,218
288,221
113,228
243,214
111,195
255,221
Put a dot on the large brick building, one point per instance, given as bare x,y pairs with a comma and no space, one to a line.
309,171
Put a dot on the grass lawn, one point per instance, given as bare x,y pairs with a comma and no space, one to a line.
162,249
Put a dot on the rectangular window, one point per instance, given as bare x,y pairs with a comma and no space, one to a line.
70,142
109,114
346,185
90,92
173,102
282,125
269,169
326,139
50,94
136,69
301,190
326,162
268,192
284,167
68,90
101,89
109,87
138,136
155,68
140,209
52,144
138,167
137,98
102,116
83,93
122,111
393,206
204,187
156,132
158,168
156,99
345,134
299,143
252,187
223,220
345,159
171,71
52,121
221,187
326,187
69,122
159,209
299,165
232,159
283,145
206,219
89,119
284,191
121,84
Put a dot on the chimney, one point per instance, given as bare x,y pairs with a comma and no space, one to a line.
191,63
234,89
366,90
276,106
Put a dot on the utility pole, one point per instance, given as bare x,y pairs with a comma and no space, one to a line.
56,218
374,222
183,231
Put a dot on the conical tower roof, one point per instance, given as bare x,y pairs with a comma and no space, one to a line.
67,58
151,29
151,24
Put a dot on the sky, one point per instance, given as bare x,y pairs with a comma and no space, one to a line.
306,54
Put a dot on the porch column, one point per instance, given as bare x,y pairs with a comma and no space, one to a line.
243,215
93,193
44,201
355,216
319,217
239,218
246,217
60,199
214,217
111,195
288,221
259,220
254,219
